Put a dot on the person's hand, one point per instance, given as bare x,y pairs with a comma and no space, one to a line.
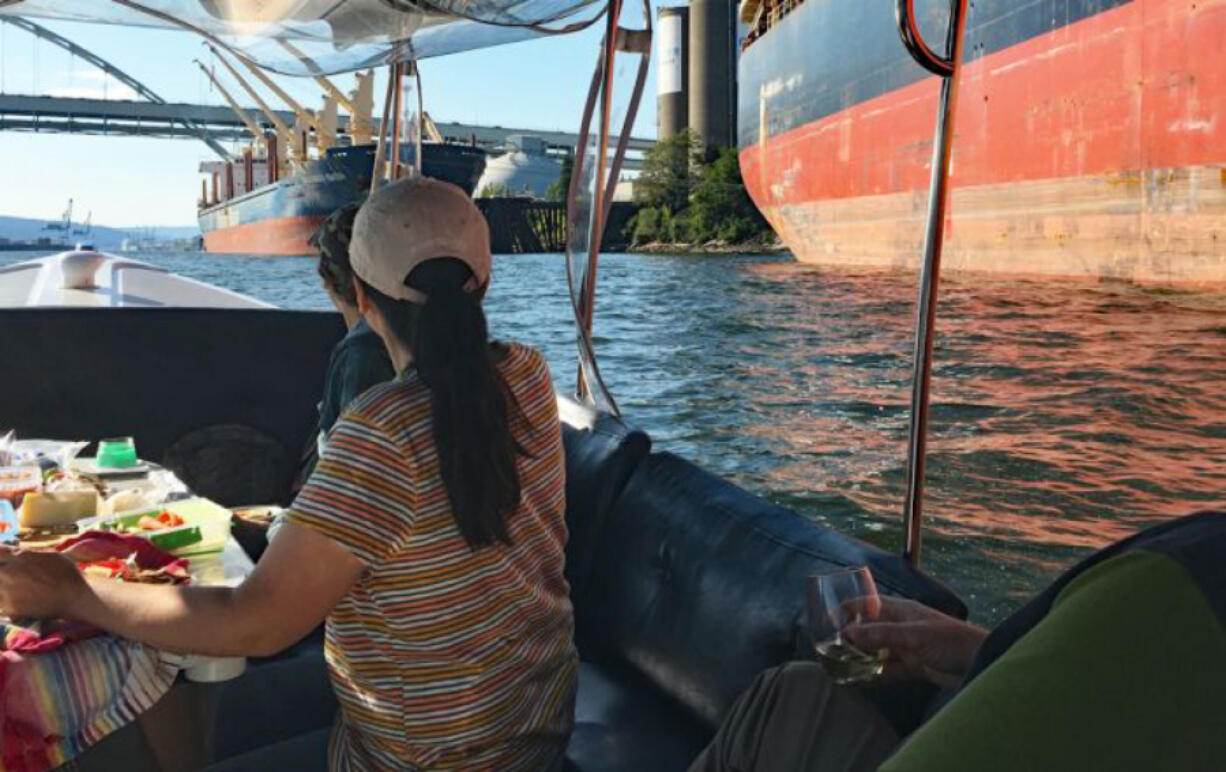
40,585
922,642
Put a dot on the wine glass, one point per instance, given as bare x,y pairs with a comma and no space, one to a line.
833,601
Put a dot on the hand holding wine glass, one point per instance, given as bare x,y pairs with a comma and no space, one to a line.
834,601
920,641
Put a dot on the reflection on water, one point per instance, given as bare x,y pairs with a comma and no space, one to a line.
1064,416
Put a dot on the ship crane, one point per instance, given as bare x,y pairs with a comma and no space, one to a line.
284,133
251,125
322,123
359,103
260,137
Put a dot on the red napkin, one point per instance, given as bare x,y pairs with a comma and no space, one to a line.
124,556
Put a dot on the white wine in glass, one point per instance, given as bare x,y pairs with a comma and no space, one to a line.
833,601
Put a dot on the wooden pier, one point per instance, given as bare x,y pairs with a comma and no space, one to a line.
526,225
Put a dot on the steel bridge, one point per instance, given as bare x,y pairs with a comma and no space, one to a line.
66,115
212,124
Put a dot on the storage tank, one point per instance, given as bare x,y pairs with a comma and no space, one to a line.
712,79
524,170
672,71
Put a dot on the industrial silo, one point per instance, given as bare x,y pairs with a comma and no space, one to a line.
672,71
712,77
524,170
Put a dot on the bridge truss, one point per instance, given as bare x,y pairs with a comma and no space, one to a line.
187,126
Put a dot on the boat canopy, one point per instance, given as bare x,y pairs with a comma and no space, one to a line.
321,37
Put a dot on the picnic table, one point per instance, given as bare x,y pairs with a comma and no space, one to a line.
68,693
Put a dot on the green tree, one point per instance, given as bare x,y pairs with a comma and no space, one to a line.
558,189
720,207
645,226
665,180
495,190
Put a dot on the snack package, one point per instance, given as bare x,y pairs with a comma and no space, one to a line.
8,523
17,481
47,453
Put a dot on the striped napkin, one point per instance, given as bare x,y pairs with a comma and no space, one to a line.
64,686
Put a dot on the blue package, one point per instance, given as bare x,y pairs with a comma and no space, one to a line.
8,523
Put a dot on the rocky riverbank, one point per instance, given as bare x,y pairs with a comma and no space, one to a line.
714,247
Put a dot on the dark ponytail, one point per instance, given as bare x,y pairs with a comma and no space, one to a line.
449,339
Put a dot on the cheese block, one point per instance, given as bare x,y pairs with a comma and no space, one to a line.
53,508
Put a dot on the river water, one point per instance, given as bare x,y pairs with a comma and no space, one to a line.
1065,416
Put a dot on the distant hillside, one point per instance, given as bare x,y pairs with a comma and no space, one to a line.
102,237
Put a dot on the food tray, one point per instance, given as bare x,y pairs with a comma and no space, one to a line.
212,519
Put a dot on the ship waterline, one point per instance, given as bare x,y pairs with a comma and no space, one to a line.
1095,149
1160,227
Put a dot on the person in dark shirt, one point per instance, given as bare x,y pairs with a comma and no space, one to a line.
359,360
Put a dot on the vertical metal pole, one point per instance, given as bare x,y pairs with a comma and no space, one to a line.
421,119
377,171
934,239
397,122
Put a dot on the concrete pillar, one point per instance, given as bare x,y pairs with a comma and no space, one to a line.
672,71
711,72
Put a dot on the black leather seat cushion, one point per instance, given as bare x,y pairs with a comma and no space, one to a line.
698,584
601,454
623,722
277,699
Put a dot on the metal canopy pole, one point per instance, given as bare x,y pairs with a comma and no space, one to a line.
949,69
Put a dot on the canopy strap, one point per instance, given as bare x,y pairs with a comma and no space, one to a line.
589,202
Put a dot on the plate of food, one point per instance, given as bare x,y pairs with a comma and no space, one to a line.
188,527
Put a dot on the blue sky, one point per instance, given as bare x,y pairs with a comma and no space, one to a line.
124,182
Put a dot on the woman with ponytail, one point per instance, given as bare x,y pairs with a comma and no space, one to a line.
430,535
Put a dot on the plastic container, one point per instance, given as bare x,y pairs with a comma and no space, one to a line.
117,453
211,519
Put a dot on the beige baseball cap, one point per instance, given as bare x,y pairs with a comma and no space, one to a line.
413,220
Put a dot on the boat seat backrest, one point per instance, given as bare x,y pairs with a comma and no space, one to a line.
164,374
601,454
698,584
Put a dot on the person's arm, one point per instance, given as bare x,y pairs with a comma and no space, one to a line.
300,578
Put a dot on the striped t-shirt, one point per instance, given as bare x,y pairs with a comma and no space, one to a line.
442,656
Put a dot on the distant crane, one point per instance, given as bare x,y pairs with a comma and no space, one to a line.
87,228
65,222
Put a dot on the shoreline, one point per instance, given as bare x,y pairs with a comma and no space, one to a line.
709,248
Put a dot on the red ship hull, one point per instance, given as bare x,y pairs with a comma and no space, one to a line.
276,236
1096,149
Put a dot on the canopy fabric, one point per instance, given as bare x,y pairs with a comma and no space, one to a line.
305,37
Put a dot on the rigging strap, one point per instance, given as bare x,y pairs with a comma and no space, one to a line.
593,184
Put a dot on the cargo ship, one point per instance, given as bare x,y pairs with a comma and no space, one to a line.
290,178
278,218
1090,138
